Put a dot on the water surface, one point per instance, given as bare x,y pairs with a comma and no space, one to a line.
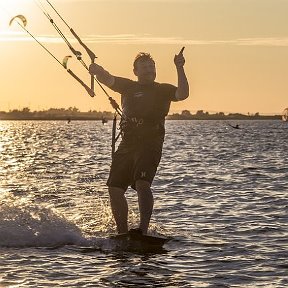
221,193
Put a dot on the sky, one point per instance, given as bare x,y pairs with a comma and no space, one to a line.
236,51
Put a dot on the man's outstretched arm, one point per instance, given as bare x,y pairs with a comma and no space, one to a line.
102,75
182,91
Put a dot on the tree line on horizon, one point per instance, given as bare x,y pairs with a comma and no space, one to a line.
73,113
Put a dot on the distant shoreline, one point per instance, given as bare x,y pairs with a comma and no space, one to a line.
278,118
74,114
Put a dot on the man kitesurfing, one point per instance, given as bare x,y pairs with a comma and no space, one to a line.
234,126
145,104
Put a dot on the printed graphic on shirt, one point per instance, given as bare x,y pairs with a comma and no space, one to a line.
138,94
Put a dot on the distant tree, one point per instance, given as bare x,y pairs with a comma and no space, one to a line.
186,114
25,110
200,113
73,110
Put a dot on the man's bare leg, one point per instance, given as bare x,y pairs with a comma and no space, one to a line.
119,208
146,202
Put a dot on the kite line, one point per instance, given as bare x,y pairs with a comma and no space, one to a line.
22,22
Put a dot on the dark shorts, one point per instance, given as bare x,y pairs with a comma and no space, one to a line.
135,160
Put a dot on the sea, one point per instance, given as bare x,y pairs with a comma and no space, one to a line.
221,196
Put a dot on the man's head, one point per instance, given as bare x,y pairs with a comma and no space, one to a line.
144,68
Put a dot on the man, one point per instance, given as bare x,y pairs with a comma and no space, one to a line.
145,104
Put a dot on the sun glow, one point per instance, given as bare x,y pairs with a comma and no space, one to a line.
8,10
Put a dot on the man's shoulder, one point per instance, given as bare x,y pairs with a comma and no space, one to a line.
121,84
165,85
166,91
125,81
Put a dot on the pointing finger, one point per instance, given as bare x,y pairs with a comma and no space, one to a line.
181,51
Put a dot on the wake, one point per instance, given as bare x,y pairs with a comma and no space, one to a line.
25,223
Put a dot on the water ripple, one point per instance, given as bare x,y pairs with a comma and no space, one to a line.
220,193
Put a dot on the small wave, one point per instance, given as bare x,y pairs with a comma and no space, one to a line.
24,223
27,223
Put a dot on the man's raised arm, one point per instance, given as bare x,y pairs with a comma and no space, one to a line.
102,75
182,91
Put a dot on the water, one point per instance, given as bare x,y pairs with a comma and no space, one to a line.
221,193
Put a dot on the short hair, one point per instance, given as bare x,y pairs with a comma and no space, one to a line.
141,57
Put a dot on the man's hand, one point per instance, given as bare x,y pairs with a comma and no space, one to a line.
179,59
101,74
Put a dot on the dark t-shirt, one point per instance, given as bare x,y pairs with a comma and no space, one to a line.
149,102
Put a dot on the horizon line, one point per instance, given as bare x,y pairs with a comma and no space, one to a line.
193,112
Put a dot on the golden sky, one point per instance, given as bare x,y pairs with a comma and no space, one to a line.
236,51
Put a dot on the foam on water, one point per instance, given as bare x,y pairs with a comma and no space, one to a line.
26,223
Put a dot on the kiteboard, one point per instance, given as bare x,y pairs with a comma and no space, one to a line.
138,242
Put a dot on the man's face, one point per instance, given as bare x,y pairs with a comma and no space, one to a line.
145,71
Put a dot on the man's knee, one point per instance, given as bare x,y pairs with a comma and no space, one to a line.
143,186
115,192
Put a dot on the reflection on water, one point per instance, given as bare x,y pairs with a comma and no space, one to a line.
220,192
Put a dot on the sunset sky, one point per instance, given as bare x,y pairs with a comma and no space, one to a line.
236,51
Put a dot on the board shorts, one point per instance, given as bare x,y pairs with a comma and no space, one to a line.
135,160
